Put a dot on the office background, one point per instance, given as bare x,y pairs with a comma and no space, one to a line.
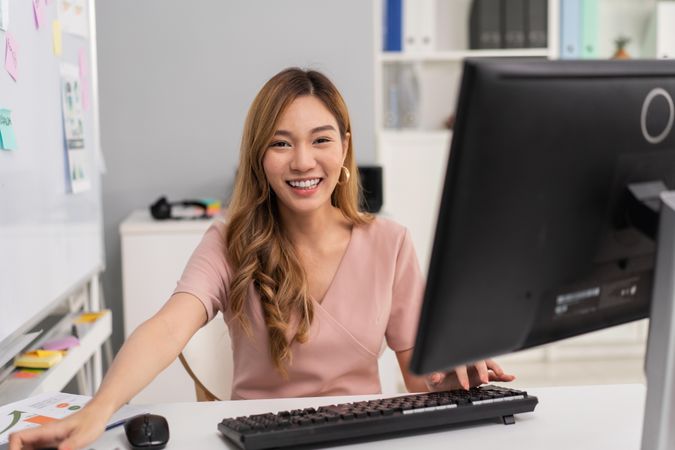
176,80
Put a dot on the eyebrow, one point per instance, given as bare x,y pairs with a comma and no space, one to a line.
313,130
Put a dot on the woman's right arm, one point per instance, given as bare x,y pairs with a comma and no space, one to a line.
151,348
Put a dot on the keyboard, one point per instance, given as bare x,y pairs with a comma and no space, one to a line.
376,419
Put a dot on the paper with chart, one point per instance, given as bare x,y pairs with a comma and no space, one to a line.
73,126
48,407
73,16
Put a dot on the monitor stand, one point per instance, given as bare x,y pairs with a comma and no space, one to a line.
658,430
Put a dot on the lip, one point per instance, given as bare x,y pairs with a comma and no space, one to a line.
301,192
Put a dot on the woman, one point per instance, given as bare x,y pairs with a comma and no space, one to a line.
310,287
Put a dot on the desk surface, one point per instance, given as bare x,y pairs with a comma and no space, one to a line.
578,417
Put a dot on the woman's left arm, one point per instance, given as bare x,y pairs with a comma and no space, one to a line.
462,377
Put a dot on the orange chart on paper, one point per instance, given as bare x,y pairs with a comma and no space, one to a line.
40,420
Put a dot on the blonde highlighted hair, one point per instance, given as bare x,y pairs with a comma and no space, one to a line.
257,248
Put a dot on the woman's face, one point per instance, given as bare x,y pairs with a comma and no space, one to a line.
303,160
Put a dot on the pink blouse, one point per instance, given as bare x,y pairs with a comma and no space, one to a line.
375,295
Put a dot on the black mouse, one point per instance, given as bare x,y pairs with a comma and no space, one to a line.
147,431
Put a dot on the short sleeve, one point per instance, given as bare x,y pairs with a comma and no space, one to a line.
408,289
206,274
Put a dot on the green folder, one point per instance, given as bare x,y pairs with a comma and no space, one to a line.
589,28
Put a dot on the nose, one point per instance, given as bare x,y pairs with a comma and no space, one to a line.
303,158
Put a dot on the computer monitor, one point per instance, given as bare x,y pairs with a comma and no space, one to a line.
549,214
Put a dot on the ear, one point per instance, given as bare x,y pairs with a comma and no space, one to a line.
345,146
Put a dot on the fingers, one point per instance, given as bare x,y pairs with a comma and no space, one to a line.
435,378
482,372
462,377
45,436
498,373
466,377
68,434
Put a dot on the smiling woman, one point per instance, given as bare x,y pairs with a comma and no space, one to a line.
311,288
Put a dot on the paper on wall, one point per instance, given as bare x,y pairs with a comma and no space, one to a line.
73,16
73,126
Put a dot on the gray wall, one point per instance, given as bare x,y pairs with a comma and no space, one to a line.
176,79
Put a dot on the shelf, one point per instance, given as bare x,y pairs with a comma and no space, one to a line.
92,337
460,55
413,133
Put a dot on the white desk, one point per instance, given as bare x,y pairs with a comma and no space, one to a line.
579,417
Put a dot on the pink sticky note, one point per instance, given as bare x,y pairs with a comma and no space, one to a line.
38,11
84,84
82,58
61,344
11,56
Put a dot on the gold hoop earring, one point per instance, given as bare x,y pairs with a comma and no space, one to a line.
344,171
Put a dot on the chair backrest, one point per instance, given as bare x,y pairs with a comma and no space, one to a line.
208,360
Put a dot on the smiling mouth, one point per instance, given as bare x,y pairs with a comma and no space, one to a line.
304,184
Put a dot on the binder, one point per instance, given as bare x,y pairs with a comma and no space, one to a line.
392,39
485,30
570,29
410,20
665,30
514,24
536,23
418,25
426,24
589,28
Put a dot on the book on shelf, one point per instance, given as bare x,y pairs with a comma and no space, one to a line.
536,23
570,29
665,30
392,34
659,39
485,29
589,28
513,35
409,26
579,25
495,24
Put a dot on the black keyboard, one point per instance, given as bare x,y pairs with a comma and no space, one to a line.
376,419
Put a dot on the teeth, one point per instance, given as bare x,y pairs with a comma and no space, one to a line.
305,184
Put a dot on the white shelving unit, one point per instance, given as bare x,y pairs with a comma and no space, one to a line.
83,360
414,158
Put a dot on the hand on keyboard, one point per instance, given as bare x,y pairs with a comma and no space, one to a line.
465,377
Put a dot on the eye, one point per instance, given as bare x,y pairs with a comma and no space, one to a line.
322,140
280,144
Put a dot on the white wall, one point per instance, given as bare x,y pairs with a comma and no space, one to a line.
176,79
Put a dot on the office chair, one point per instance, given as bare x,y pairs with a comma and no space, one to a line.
207,358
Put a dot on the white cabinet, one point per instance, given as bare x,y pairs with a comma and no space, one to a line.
154,254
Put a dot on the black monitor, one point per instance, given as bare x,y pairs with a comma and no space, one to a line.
548,219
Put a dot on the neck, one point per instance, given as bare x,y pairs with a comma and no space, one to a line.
313,228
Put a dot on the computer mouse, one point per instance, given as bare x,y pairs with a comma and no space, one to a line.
147,431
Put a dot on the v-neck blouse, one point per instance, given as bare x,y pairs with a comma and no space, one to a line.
374,297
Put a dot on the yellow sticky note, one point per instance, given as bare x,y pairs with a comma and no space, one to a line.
56,35
89,317
39,359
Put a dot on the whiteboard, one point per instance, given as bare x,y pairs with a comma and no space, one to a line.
51,239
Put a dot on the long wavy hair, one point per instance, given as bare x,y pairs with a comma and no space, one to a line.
257,248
